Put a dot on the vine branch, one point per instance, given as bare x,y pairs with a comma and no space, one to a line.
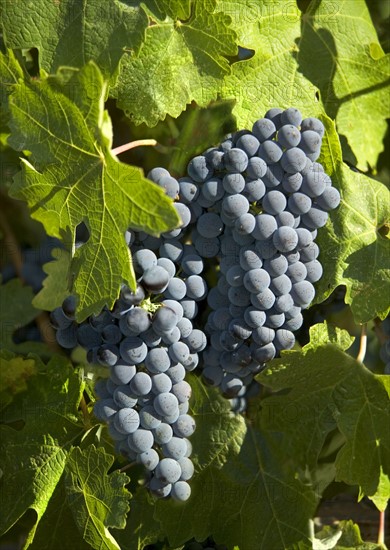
363,344
381,529
132,145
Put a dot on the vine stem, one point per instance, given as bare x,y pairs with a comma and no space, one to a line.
84,410
132,145
381,530
42,319
363,344
127,467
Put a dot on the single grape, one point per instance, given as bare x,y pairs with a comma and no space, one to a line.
181,491
141,383
168,470
236,160
126,421
149,459
329,200
257,168
293,160
256,280
122,373
248,143
289,136
196,287
175,448
291,116
163,433
133,350
264,129
285,239
140,440
274,202
184,426
198,169
303,293
155,279
313,124
209,225
270,151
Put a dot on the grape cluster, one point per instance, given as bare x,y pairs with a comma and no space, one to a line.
148,343
385,347
260,198
250,210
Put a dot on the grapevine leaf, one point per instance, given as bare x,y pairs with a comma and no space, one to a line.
271,77
247,18
10,73
39,426
71,177
55,286
351,76
14,373
354,248
15,312
352,73
56,521
348,536
160,9
216,423
71,33
323,333
321,381
178,63
97,500
253,473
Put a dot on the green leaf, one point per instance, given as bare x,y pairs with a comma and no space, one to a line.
354,248
40,425
97,500
160,9
352,73
271,77
14,373
244,490
348,536
324,333
70,33
72,177
10,73
15,312
177,64
326,389
56,522
55,286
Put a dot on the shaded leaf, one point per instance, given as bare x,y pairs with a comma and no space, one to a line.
55,285
71,33
324,388
97,500
40,425
354,249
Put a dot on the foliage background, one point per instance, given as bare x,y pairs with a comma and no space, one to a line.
183,84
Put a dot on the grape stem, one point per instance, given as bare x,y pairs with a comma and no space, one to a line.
381,530
128,466
132,145
42,319
363,344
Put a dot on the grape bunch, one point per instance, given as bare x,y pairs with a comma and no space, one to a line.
148,342
250,210
385,347
260,199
